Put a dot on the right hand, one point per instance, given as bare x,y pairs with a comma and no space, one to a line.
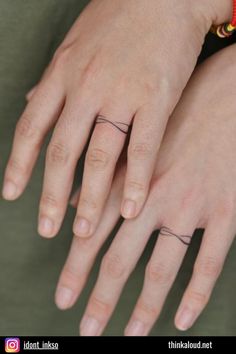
193,187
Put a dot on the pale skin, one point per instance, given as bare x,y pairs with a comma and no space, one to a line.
122,60
193,187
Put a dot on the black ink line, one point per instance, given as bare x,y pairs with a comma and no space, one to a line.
165,231
101,119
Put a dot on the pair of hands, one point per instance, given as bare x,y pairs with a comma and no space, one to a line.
96,71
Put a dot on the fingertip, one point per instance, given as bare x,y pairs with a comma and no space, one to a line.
46,227
184,319
45,235
135,328
82,227
64,298
10,191
180,328
129,209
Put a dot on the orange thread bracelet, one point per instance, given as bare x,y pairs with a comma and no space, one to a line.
226,29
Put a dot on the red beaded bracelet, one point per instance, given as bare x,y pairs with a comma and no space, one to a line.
226,29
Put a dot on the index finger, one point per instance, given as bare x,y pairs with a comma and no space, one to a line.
38,117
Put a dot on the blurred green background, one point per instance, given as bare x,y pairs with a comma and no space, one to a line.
30,30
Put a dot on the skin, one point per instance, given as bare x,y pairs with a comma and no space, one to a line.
193,187
115,61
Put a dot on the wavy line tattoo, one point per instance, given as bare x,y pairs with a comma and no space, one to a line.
122,127
185,239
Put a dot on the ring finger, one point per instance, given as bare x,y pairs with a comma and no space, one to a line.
161,271
104,150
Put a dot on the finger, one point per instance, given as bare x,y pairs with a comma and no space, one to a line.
67,143
147,131
84,251
30,94
104,150
116,267
75,198
172,244
215,245
39,116
46,74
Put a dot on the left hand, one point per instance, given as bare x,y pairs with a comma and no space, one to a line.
193,187
123,61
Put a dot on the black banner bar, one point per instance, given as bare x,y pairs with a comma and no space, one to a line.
19,344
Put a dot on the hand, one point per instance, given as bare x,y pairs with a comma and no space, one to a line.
123,62
193,187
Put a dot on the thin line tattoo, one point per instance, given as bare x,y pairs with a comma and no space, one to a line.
185,239
122,127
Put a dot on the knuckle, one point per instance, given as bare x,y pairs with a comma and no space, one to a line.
91,71
159,273
136,186
226,208
139,151
158,191
197,298
49,201
25,128
57,153
99,306
88,203
162,86
16,167
146,308
97,158
190,197
112,266
85,246
209,267
61,57
171,88
71,275
151,87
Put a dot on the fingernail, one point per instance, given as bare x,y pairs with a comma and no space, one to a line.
64,298
46,226
89,327
135,329
185,319
9,191
129,208
82,227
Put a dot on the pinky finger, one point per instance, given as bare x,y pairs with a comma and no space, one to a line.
74,200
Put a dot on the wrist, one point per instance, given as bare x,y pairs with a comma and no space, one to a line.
221,11
210,13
